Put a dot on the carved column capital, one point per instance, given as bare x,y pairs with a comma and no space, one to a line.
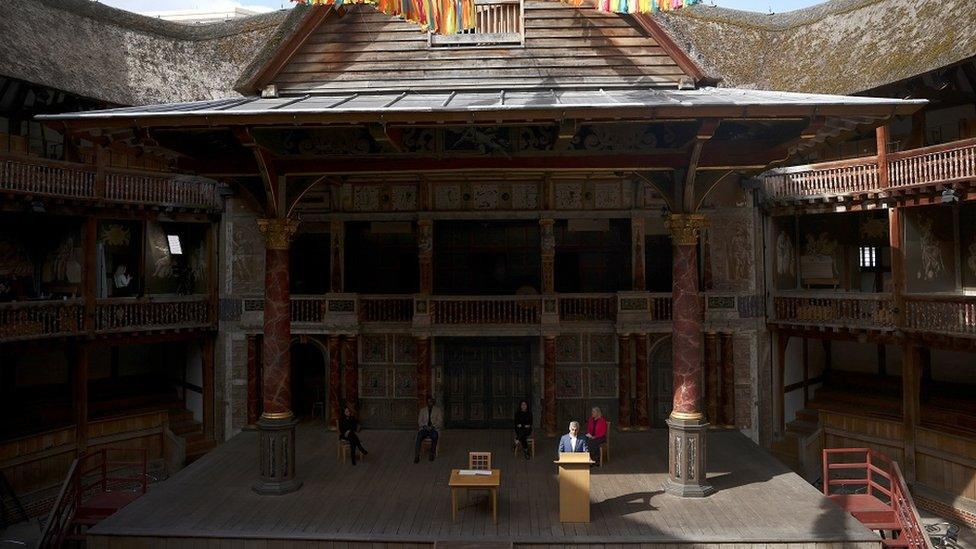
685,228
278,232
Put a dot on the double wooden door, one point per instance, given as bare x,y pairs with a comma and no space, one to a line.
485,380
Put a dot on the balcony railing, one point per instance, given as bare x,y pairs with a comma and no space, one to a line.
43,177
22,320
36,319
486,310
587,307
860,310
155,313
385,308
940,164
496,22
953,315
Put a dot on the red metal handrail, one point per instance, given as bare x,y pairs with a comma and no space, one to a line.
892,492
78,488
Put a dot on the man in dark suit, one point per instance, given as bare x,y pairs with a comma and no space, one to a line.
572,442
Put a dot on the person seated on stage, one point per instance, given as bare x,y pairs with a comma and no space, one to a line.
348,425
431,420
572,441
596,433
523,426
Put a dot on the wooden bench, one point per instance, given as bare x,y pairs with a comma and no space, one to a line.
342,448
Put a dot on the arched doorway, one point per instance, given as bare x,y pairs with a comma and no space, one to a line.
309,377
661,387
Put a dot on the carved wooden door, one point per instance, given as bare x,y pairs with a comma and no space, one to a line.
484,381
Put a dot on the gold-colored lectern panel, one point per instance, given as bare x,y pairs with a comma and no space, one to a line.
574,486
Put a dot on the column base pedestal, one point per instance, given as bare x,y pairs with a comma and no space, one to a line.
686,458
276,456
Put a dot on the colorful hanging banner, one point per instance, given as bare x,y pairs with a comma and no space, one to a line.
454,16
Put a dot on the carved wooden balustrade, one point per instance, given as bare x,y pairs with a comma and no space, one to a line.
42,177
154,313
947,163
587,307
856,310
36,319
308,308
952,315
827,179
937,165
147,188
385,308
486,310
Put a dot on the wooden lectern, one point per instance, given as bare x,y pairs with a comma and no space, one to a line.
574,486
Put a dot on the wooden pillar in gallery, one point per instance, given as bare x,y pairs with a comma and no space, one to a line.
423,370
911,382
549,385
337,256
351,370
547,247
425,255
335,381
727,396
686,425
623,382
641,414
207,360
81,357
277,423
253,379
637,254
711,378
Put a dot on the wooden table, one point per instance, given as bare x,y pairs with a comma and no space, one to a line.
489,482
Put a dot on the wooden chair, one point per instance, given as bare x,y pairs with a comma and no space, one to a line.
479,460
530,441
605,447
342,448
425,444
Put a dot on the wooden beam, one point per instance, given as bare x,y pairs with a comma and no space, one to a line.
266,73
670,47
705,133
911,406
267,169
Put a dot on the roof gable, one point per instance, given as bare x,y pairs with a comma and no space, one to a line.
359,48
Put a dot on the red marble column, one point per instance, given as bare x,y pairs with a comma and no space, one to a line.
335,381
712,378
687,435
276,449
623,382
728,379
686,316
549,385
275,346
253,380
423,370
351,371
641,416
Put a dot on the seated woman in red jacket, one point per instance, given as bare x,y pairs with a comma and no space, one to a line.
596,433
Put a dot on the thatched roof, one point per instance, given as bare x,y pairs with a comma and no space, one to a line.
111,55
840,47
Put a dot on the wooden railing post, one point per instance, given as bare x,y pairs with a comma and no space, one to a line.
881,134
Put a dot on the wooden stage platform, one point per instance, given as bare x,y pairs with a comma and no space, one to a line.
390,501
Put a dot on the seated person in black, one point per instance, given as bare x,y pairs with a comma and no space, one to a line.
348,425
523,426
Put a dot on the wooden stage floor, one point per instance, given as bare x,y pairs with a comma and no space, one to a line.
388,500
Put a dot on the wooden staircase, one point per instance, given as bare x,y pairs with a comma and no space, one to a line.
182,424
789,449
